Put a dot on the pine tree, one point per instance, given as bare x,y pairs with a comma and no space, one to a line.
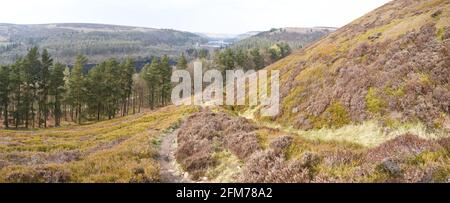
182,62
32,70
66,98
127,72
56,89
4,92
77,88
112,88
203,53
150,75
241,59
34,86
226,60
16,83
96,85
257,59
165,71
44,86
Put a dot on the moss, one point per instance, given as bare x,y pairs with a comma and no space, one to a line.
428,157
338,115
424,79
228,166
440,34
380,29
373,102
438,123
395,92
342,172
442,174
156,141
375,177
263,138
335,116
391,122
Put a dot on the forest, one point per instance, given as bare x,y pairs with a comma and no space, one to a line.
36,89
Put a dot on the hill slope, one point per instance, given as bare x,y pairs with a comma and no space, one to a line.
120,150
295,37
97,41
391,65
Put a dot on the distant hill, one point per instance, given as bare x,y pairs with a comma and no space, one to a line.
98,41
295,37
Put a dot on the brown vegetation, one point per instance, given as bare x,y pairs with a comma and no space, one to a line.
390,65
267,155
207,132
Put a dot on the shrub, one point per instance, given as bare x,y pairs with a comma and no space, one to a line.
205,133
340,157
389,166
242,144
271,167
445,142
281,143
374,104
336,115
195,156
39,175
400,148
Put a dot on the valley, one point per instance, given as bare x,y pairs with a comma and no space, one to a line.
365,103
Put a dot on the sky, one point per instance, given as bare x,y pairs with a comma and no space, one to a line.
208,16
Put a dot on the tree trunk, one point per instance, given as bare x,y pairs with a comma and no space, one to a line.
33,116
57,112
17,114
39,112
45,113
79,113
6,115
65,112
98,112
27,118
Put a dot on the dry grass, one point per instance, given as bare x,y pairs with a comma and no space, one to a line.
369,133
120,150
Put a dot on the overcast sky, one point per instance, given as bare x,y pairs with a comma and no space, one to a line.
213,16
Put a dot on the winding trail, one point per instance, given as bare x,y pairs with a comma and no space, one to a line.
170,172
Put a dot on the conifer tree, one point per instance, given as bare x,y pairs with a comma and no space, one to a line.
4,92
56,90
77,88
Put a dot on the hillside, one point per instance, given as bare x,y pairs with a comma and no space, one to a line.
120,150
185,144
264,48
391,65
368,103
295,37
99,42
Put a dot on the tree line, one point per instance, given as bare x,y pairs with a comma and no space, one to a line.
36,89
255,58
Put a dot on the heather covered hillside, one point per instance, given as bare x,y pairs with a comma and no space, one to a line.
391,65
216,146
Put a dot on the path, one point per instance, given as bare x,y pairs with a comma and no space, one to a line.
170,172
